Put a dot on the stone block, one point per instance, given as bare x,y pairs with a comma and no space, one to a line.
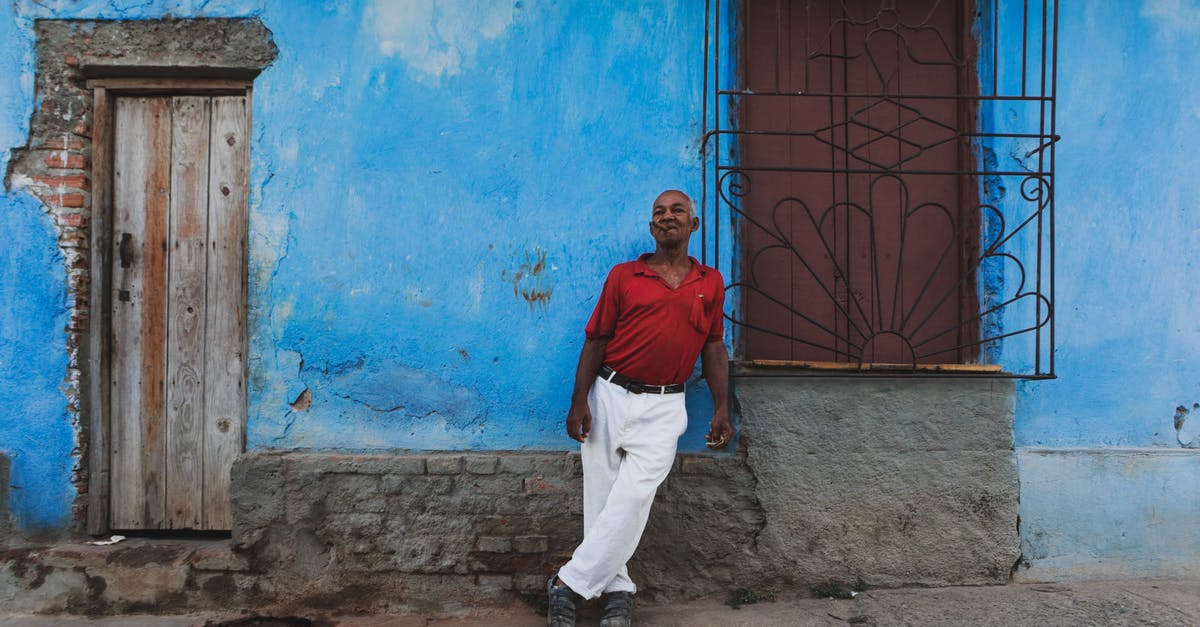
546,484
494,583
518,464
400,483
491,485
530,544
494,544
444,465
439,485
407,465
530,583
481,465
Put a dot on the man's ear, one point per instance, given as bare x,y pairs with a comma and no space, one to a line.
695,224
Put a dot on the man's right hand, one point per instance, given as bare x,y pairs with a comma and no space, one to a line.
579,421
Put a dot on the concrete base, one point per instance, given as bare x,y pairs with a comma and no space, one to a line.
1073,529
887,481
129,577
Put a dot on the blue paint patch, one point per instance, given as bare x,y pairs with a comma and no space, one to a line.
35,429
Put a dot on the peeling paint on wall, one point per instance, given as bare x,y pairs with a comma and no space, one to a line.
531,281
1187,427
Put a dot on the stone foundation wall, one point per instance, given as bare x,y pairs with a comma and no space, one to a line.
877,482
378,532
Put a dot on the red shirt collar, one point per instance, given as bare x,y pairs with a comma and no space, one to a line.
641,267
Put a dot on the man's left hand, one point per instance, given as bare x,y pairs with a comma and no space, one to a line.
719,432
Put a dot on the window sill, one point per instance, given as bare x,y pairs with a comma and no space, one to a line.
786,368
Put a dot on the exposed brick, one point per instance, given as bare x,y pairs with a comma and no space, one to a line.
67,161
444,465
481,465
83,129
494,544
70,200
71,60
530,544
77,220
67,181
61,143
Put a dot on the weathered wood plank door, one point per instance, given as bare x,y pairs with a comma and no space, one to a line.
177,385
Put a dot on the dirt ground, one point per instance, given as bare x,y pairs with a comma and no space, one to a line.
1143,602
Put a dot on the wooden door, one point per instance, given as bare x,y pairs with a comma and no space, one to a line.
177,384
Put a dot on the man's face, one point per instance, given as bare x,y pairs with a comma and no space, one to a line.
672,219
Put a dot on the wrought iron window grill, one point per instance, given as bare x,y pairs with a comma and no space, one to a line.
809,211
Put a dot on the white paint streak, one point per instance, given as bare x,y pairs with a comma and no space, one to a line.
436,37
1174,15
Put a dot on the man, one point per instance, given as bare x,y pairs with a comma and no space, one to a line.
654,317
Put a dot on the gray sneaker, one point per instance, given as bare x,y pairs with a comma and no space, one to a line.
561,609
618,610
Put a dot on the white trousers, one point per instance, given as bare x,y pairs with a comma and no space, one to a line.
625,457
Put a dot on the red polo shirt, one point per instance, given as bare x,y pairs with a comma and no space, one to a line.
654,332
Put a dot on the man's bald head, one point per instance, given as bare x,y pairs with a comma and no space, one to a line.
671,196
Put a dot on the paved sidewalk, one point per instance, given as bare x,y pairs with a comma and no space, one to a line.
1144,602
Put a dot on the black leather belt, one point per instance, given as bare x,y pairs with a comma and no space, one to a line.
637,387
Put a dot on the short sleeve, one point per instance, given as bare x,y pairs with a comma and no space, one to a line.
717,330
603,322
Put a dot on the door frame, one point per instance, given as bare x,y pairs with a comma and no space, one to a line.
95,347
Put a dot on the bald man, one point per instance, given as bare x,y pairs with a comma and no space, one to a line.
655,316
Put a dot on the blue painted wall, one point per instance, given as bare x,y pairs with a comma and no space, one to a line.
35,430
441,195
438,193
1107,452
438,190
1128,333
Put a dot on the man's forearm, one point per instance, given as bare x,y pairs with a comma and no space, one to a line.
590,360
714,363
